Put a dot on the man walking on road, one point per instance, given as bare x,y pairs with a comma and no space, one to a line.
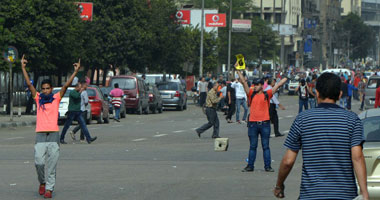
241,99
273,109
46,148
231,99
202,87
76,113
331,140
117,95
83,108
303,93
259,121
212,116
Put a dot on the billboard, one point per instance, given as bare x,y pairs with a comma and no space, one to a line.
183,16
85,10
215,20
241,25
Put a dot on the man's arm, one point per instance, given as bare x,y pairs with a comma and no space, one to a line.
360,169
229,97
242,81
281,83
68,83
285,167
26,76
310,91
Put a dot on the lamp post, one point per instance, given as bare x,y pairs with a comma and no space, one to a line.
229,42
201,49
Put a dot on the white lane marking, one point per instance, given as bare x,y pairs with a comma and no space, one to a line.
194,129
286,131
160,135
14,138
180,131
139,140
94,128
280,118
118,125
290,116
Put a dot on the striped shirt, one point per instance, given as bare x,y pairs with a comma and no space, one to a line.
326,135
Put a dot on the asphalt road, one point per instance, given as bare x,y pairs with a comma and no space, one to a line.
155,156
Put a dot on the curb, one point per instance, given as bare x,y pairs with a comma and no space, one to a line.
16,124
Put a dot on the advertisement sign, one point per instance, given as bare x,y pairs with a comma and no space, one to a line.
216,20
286,29
241,25
240,61
11,54
183,16
85,10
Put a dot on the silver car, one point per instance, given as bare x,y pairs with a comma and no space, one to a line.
370,91
173,94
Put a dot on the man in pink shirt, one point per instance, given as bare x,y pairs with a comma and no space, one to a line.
116,95
46,148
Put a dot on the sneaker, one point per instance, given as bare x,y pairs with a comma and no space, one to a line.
198,133
48,194
247,169
82,141
92,140
238,121
215,137
41,191
117,120
280,135
243,122
269,169
62,141
72,134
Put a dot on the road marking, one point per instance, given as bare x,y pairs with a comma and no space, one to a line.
286,131
14,138
290,116
118,125
180,131
139,140
280,118
160,135
94,128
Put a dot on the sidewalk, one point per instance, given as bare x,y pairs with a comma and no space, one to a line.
24,120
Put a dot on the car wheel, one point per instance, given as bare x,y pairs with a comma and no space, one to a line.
154,109
139,110
123,114
106,120
146,110
180,108
185,106
100,118
160,109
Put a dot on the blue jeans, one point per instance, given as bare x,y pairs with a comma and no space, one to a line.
254,130
241,102
303,103
79,117
343,102
312,102
117,112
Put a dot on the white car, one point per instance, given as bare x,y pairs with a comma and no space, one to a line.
293,84
64,105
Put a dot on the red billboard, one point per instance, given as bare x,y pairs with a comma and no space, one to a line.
183,16
215,20
85,10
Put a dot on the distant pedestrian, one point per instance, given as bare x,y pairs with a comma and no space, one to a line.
202,87
46,148
259,121
212,116
274,102
361,88
303,93
241,99
331,140
356,85
350,89
75,113
117,97
231,99
83,108
344,89
312,91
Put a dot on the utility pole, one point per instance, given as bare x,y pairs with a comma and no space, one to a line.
229,42
282,36
261,41
201,50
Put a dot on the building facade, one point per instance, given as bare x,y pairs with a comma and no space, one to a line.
353,6
370,14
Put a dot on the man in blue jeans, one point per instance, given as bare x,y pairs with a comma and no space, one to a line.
240,99
259,120
303,92
76,113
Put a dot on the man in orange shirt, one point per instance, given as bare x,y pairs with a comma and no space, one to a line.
259,120
47,138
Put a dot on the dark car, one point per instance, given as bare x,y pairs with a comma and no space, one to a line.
99,105
173,95
136,92
106,91
155,100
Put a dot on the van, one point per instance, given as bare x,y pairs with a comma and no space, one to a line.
370,91
136,93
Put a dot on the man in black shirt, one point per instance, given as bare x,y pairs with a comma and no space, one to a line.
230,99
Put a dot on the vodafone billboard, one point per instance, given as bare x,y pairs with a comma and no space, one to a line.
183,16
216,20
85,10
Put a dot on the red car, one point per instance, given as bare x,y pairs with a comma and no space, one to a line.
99,105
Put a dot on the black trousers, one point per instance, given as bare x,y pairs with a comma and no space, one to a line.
349,99
274,118
213,121
202,98
231,110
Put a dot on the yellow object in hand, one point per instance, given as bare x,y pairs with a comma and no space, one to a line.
240,61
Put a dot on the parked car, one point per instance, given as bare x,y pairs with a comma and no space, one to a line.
64,105
106,91
99,105
155,100
173,95
371,150
370,91
292,86
136,91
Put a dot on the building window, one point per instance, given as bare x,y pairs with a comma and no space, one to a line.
278,18
267,17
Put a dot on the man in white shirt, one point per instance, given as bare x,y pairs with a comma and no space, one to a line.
241,100
272,108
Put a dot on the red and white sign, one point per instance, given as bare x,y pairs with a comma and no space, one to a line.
215,20
241,25
85,10
183,16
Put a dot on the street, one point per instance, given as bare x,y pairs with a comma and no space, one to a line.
156,156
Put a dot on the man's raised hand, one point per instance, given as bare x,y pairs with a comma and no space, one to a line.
23,62
77,66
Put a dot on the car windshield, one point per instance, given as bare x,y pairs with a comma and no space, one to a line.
106,90
372,129
168,86
373,83
67,94
91,92
125,83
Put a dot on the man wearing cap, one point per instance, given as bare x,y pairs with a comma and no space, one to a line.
241,98
259,121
